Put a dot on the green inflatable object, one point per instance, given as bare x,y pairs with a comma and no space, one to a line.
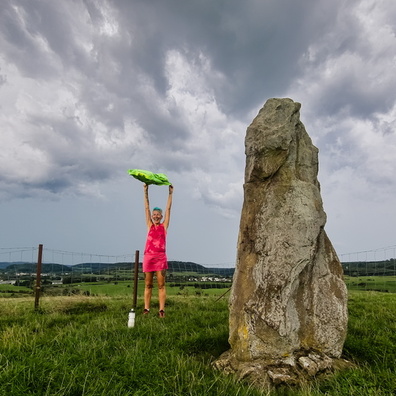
149,177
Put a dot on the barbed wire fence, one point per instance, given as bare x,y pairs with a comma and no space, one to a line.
371,270
69,273
62,272
65,272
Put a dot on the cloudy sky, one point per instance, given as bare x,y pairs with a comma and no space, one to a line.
92,88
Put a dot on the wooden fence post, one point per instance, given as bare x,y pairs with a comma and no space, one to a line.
135,279
38,277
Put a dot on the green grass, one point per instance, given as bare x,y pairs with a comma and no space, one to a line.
125,288
81,346
14,291
371,344
371,283
12,287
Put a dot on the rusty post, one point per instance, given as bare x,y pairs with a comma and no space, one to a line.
38,277
135,279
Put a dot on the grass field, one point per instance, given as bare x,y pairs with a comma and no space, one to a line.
81,345
111,289
371,283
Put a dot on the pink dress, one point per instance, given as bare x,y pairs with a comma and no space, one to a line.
155,251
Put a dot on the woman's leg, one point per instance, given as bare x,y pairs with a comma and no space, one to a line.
161,289
148,288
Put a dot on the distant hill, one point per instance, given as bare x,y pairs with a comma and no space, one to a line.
16,264
370,268
362,268
100,268
182,266
29,267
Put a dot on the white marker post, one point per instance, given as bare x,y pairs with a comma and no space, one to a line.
131,316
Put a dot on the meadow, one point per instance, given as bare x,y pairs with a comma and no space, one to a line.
81,345
371,283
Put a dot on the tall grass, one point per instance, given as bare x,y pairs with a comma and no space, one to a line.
82,346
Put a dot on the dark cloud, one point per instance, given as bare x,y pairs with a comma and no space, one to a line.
256,46
91,88
106,96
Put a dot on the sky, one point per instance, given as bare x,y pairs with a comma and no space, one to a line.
92,88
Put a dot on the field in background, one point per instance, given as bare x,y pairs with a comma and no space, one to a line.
67,273
117,288
180,286
371,283
80,345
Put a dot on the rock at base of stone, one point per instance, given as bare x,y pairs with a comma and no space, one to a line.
293,370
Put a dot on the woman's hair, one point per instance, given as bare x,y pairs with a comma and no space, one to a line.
157,209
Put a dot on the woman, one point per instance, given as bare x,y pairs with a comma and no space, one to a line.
155,260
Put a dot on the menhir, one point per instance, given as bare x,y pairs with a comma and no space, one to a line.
288,304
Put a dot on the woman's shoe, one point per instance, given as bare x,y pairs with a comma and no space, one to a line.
161,313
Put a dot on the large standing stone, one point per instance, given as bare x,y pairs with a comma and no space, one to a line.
288,304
